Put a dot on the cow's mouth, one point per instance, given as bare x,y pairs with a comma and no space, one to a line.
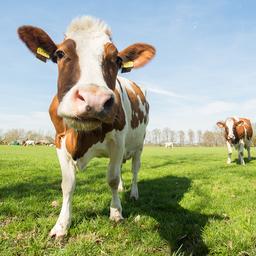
87,124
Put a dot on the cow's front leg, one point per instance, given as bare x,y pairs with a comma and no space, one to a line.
229,146
113,177
241,152
68,185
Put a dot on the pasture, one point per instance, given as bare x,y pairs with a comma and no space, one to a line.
191,203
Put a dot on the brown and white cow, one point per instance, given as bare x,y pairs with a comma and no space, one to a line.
95,113
238,133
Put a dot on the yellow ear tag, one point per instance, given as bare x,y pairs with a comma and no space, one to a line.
127,66
42,54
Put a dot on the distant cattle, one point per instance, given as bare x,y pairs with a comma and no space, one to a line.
168,144
238,133
29,143
95,113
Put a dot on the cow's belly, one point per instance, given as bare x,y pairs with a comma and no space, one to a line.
134,139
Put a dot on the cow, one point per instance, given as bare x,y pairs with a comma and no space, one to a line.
29,143
238,133
168,144
95,112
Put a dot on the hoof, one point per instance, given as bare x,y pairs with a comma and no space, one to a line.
115,215
58,231
134,193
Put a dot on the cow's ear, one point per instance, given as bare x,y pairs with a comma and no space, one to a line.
38,42
220,124
136,55
240,123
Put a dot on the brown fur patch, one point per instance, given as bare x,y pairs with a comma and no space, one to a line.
35,37
78,143
139,53
57,122
137,115
109,65
244,129
68,66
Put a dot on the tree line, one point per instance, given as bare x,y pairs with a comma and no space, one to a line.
190,137
21,135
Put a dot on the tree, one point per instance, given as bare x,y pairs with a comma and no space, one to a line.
172,136
165,135
14,134
208,139
199,137
191,136
156,136
181,135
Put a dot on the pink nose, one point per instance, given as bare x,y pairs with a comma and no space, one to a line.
93,100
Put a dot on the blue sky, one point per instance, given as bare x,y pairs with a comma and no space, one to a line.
205,68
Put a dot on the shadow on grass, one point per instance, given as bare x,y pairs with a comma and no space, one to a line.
159,198
246,160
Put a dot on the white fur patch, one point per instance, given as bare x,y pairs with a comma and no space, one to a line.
90,36
87,25
230,125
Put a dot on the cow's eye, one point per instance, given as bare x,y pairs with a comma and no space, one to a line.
119,61
59,54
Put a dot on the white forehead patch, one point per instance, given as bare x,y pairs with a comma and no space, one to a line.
90,35
230,125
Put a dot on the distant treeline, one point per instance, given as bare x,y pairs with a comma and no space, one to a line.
155,137
189,137
20,135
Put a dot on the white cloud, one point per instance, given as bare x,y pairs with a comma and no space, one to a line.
166,93
201,115
217,107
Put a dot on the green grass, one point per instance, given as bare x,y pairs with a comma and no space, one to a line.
191,203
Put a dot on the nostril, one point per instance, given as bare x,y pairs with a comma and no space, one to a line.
109,103
79,96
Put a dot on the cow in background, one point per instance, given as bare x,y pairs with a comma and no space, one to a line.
238,133
168,144
29,143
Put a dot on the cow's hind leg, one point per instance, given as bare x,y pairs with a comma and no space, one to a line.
135,169
68,185
113,177
241,152
249,151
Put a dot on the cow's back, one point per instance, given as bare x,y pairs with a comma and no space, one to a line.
245,130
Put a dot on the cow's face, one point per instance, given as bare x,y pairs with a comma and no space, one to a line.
230,126
88,63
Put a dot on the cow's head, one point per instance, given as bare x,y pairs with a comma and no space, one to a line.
230,126
88,63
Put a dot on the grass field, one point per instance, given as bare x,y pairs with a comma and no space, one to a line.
190,202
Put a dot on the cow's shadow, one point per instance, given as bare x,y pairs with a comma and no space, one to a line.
180,227
246,160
